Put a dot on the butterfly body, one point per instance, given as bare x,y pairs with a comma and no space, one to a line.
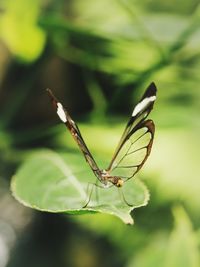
109,180
134,146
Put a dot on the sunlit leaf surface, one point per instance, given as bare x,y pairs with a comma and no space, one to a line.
20,31
59,183
179,249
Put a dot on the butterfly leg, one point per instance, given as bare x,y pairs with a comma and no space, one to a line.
96,192
91,191
123,197
90,194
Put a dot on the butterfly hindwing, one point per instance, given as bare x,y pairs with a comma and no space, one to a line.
134,152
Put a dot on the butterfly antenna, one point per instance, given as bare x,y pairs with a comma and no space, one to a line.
54,100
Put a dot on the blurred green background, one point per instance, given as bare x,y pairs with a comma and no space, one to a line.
98,57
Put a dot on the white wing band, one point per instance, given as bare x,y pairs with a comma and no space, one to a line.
143,104
61,112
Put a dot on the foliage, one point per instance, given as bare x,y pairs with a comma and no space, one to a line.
20,31
179,249
98,57
55,188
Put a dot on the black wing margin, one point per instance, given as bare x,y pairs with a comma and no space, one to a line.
136,142
74,130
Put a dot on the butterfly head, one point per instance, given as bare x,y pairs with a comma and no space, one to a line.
116,181
120,182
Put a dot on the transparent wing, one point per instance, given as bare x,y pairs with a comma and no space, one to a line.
75,132
134,152
140,113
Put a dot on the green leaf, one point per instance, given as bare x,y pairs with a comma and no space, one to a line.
180,249
54,182
19,29
183,244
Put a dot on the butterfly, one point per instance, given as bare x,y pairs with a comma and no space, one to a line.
134,146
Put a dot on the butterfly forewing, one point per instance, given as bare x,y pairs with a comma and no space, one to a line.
140,112
136,142
74,130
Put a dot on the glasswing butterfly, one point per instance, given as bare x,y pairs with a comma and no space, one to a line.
134,146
